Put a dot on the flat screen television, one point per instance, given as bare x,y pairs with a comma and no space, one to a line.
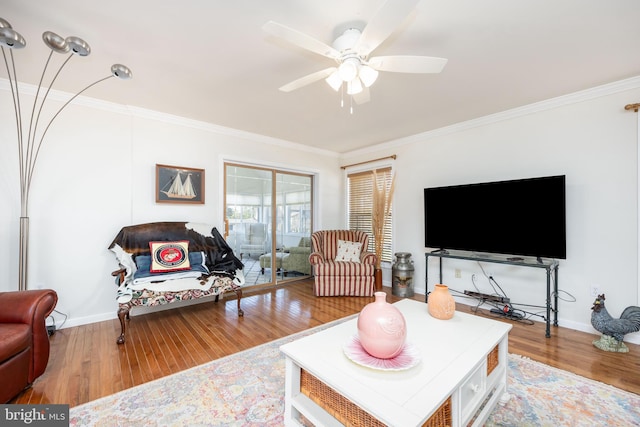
524,217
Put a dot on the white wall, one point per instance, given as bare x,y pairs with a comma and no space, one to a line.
97,170
96,174
588,137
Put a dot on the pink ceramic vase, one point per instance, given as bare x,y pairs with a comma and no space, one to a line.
381,328
441,304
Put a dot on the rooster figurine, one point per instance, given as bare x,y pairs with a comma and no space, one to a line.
613,330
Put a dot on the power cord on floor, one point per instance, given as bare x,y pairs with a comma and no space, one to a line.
51,328
508,310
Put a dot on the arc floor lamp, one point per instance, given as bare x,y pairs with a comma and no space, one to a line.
29,140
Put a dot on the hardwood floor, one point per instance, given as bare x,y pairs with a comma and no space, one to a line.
86,363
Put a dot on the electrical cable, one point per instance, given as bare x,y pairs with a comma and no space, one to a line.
473,282
492,281
508,310
572,298
52,328
511,311
498,312
62,314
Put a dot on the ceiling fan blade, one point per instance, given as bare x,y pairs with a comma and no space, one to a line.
300,39
385,21
308,79
362,97
408,64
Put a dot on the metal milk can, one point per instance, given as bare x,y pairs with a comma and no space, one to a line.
402,275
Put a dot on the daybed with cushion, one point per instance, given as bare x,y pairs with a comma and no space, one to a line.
24,341
165,262
341,264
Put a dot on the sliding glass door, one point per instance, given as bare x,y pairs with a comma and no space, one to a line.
268,220
294,223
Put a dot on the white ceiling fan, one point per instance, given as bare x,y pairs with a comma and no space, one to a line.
354,68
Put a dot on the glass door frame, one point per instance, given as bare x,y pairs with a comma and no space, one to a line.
272,226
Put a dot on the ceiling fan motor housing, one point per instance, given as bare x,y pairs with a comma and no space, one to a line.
347,40
349,60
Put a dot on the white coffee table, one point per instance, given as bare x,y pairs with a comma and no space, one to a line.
461,375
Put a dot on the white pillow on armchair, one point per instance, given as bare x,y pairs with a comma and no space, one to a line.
348,251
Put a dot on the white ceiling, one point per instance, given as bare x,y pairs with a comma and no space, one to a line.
210,60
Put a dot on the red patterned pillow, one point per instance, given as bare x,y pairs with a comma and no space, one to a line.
169,256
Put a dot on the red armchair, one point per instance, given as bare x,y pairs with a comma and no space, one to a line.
24,342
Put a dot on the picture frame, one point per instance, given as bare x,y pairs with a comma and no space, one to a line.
178,184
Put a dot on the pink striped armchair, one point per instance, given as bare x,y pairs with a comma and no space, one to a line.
341,278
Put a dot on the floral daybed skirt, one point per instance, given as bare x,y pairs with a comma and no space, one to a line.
148,298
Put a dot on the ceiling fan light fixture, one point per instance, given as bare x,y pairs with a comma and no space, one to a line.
354,87
355,70
334,80
368,75
348,70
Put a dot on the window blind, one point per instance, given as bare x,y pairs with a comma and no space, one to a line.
360,207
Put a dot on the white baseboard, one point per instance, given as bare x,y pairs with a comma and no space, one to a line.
79,321
577,326
138,310
630,338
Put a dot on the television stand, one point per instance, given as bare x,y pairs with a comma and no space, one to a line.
551,267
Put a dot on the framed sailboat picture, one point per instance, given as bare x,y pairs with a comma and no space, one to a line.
176,184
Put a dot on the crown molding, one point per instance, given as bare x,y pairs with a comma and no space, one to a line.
221,130
143,113
61,96
549,104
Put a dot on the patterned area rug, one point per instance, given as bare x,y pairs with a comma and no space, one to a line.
542,395
247,389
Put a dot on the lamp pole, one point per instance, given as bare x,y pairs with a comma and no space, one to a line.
29,147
